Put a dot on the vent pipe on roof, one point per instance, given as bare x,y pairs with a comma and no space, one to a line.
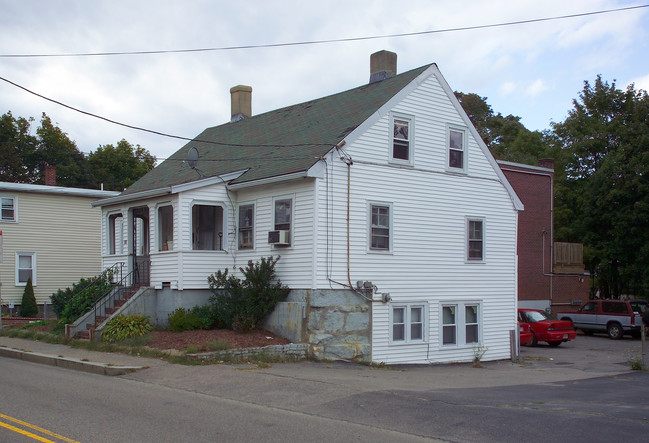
383,64
241,101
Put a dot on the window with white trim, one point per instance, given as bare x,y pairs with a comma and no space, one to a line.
283,216
401,142
407,323
207,227
380,227
475,240
457,149
246,226
166,228
115,233
7,209
25,268
460,324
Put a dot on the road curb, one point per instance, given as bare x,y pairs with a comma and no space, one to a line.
68,363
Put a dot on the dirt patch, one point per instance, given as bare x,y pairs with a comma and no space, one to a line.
206,340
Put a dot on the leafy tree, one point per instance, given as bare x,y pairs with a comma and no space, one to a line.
28,306
603,198
56,148
505,136
24,157
118,167
16,146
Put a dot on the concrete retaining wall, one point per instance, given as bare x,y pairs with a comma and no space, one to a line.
336,324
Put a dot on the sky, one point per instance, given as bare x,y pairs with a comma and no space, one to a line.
531,70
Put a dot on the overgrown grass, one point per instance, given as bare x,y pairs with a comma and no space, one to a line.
637,364
137,346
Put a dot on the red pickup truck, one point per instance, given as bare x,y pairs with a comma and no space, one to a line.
615,317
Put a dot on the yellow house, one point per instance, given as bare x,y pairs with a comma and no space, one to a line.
50,234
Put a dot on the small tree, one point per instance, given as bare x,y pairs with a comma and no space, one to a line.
28,307
242,304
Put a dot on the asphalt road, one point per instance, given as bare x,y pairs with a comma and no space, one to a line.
580,391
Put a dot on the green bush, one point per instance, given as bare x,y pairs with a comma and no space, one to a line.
199,317
123,327
243,304
206,316
183,320
28,307
70,303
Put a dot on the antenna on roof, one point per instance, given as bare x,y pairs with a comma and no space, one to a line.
192,157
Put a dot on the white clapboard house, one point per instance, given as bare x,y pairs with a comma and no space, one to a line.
395,226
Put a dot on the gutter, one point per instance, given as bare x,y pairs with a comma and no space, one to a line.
130,197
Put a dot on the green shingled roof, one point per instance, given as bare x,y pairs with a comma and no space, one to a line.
279,142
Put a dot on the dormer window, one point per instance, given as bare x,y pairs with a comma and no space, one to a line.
401,140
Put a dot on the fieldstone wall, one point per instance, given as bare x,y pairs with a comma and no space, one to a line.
335,323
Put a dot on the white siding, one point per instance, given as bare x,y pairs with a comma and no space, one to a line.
63,231
429,208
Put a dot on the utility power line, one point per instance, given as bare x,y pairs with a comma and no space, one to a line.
320,42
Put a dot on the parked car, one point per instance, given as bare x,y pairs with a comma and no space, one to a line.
525,334
544,328
615,317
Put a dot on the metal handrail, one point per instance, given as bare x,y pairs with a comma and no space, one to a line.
107,300
115,269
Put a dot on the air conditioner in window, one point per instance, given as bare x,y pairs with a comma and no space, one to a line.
279,238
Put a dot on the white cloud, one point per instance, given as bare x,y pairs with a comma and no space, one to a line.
508,88
536,87
182,94
641,83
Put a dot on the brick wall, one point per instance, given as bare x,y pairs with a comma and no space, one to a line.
533,185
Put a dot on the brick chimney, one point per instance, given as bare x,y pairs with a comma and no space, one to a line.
241,102
383,64
546,163
50,175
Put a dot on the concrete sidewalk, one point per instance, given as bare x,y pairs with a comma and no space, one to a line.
106,363
586,357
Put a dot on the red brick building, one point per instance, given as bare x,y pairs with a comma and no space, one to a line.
550,275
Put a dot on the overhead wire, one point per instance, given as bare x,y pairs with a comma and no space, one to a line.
326,41
150,131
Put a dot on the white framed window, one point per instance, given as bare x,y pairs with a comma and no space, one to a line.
208,223
408,323
283,216
401,140
246,226
456,143
8,208
115,233
165,228
461,323
25,268
380,227
475,244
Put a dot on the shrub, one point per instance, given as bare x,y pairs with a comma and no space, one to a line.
242,304
122,327
183,320
70,303
28,307
206,316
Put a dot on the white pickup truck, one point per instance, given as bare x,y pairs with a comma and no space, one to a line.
615,317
